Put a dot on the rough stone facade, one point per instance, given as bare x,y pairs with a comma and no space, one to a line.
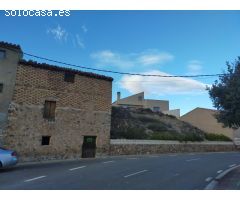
141,147
8,64
83,108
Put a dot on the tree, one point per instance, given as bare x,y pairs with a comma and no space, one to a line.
225,94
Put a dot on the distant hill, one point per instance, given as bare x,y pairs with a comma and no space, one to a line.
130,123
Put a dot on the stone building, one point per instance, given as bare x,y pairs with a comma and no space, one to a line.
138,101
51,112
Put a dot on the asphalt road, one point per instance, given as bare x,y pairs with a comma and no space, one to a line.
168,171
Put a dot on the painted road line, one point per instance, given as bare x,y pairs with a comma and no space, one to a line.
77,168
153,156
208,179
110,161
135,173
192,154
233,165
131,158
33,179
193,159
219,171
173,155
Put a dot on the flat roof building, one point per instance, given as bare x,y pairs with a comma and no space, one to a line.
139,101
205,120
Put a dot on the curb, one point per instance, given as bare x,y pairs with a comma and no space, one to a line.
218,178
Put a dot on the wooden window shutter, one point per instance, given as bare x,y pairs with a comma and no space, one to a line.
49,110
52,109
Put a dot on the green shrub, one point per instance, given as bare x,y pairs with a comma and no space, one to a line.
157,127
163,136
191,137
175,136
171,116
147,119
216,137
130,133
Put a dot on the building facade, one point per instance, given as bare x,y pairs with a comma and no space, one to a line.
138,101
205,120
52,112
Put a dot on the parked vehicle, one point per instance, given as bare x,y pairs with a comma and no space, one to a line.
7,158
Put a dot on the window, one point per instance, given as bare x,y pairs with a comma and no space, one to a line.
46,140
2,54
156,109
69,77
1,87
140,98
49,110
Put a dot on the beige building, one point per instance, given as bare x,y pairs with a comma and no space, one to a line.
138,101
204,119
51,112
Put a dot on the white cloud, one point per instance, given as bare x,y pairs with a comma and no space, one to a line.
146,58
84,28
79,41
59,33
194,67
112,59
155,58
161,86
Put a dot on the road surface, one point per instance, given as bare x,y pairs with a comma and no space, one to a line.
166,171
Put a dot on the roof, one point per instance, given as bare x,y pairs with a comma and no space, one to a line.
64,69
10,46
199,108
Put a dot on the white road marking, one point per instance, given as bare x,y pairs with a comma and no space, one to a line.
131,158
193,159
173,155
135,173
77,168
33,179
219,171
153,156
192,154
208,179
233,165
110,161
177,174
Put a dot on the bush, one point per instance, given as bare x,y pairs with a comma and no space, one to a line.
216,137
163,136
130,133
175,136
171,116
147,119
157,127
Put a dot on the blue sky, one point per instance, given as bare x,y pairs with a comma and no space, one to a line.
152,42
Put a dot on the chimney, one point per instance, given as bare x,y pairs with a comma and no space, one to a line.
118,96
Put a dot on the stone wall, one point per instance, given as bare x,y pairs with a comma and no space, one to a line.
8,66
141,147
82,108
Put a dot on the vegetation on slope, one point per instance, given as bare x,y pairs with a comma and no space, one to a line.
144,124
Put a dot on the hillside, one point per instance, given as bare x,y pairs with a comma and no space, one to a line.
144,124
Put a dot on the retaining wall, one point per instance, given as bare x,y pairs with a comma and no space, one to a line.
134,147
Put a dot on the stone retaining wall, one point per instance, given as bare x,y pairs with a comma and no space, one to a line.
134,147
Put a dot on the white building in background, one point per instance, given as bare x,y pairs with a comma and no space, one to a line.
138,101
